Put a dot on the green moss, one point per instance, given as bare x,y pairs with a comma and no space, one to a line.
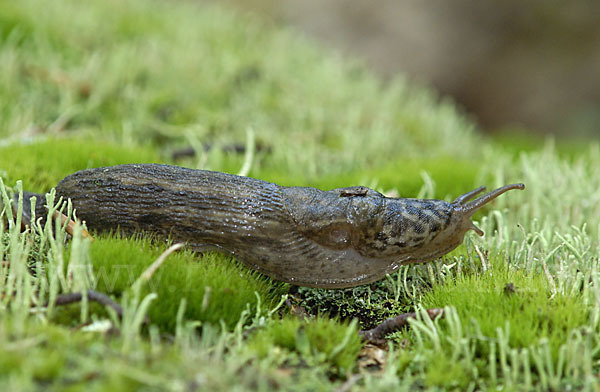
518,141
47,367
42,164
320,342
26,354
369,304
451,176
510,296
446,373
216,287
13,22
49,357
109,70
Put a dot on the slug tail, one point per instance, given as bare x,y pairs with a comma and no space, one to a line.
471,207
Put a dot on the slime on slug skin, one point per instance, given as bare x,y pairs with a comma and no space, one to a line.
305,236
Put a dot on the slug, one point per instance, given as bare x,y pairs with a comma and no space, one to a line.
304,236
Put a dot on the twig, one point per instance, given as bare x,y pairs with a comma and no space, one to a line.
93,295
377,335
26,215
70,229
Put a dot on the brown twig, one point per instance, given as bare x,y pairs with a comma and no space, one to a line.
103,299
71,225
26,215
377,335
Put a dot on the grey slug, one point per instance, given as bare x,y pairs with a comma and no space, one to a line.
305,236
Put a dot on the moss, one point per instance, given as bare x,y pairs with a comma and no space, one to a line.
321,342
32,355
446,373
451,176
215,286
517,141
42,164
45,368
14,23
514,297
96,74
369,304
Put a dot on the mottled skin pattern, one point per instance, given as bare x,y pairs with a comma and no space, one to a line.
304,236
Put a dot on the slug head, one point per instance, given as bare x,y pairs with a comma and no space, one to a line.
354,236
458,223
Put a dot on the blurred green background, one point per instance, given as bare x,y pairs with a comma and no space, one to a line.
517,66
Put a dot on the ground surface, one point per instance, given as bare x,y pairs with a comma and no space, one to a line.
102,83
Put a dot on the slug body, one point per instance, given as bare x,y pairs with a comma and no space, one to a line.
305,236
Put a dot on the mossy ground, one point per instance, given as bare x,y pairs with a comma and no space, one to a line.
102,83
42,164
216,288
